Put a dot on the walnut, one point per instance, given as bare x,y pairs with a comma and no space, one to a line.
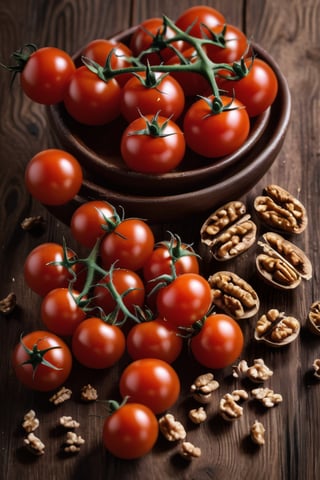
229,408
316,368
73,443
197,415
313,320
267,396
228,232
257,433
189,451
32,223
8,304
171,429
203,386
34,444
88,393
258,372
276,329
68,422
61,396
239,395
233,295
281,210
240,370
30,422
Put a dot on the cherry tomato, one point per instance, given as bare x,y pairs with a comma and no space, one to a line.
152,382
154,339
96,344
235,44
216,134
130,431
53,176
60,312
129,245
219,342
150,152
46,74
257,90
166,96
185,300
197,16
91,100
88,220
39,273
42,347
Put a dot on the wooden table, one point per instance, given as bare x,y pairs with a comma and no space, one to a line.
289,30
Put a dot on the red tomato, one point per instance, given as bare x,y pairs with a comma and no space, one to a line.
129,245
257,90
185,300
30,361
96,344
215,135
164,95
99,49
219,342
89,222
154,339
91,100
152,382
53,176
197,16
234,44
39,273
60,312
160,149
130,431
46,74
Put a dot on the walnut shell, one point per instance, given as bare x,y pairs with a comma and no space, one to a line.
313,319
276,329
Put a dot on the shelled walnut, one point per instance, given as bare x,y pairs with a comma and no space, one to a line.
68,422
313,320
30,421
189,451
281,210
203,386
276,329
267,396
61,396
316,368
34,444
282,264
88,393
233,295
229,409
227,232
257,432
8,303
73,443
171,428
197,415
257,373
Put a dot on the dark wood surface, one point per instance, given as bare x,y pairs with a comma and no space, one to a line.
289,30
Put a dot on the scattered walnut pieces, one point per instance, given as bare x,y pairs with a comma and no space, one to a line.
34,444
316,368
258,372
276,329
30,421
189,451
171,429
73,443
32,223
61,396
197,415
203,386
229,408
267,396
89,393
257,432
68,422
8,304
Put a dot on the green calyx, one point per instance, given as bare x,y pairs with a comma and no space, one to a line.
216,105
153,128
36,356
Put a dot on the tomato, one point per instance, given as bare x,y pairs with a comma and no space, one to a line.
91,100
163,93
45,365
60,312
45,74
216,134
123,280
154,339
154,146
96,344
53,176
89,222
234,41
185,300
152,382
257,90
130,431
219,342
99,49
129,245
39,273
197,16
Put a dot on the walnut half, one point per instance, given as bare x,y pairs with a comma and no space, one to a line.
171,428
203,386
313,320
276,329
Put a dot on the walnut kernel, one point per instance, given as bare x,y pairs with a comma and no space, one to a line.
61,396
34,444
88,393
30,421
257,433
171,429
8,304
73,442
68,422
203,386
267,396
229,408
189,451
197,415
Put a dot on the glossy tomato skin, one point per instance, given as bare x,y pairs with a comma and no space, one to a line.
154,339
198,15
53,176
185,300
236,45
44,378
167,97
46,75
257,90
219,342
96,344
88,220
214,135
152,382
129,245
90,100
152,154
130,432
